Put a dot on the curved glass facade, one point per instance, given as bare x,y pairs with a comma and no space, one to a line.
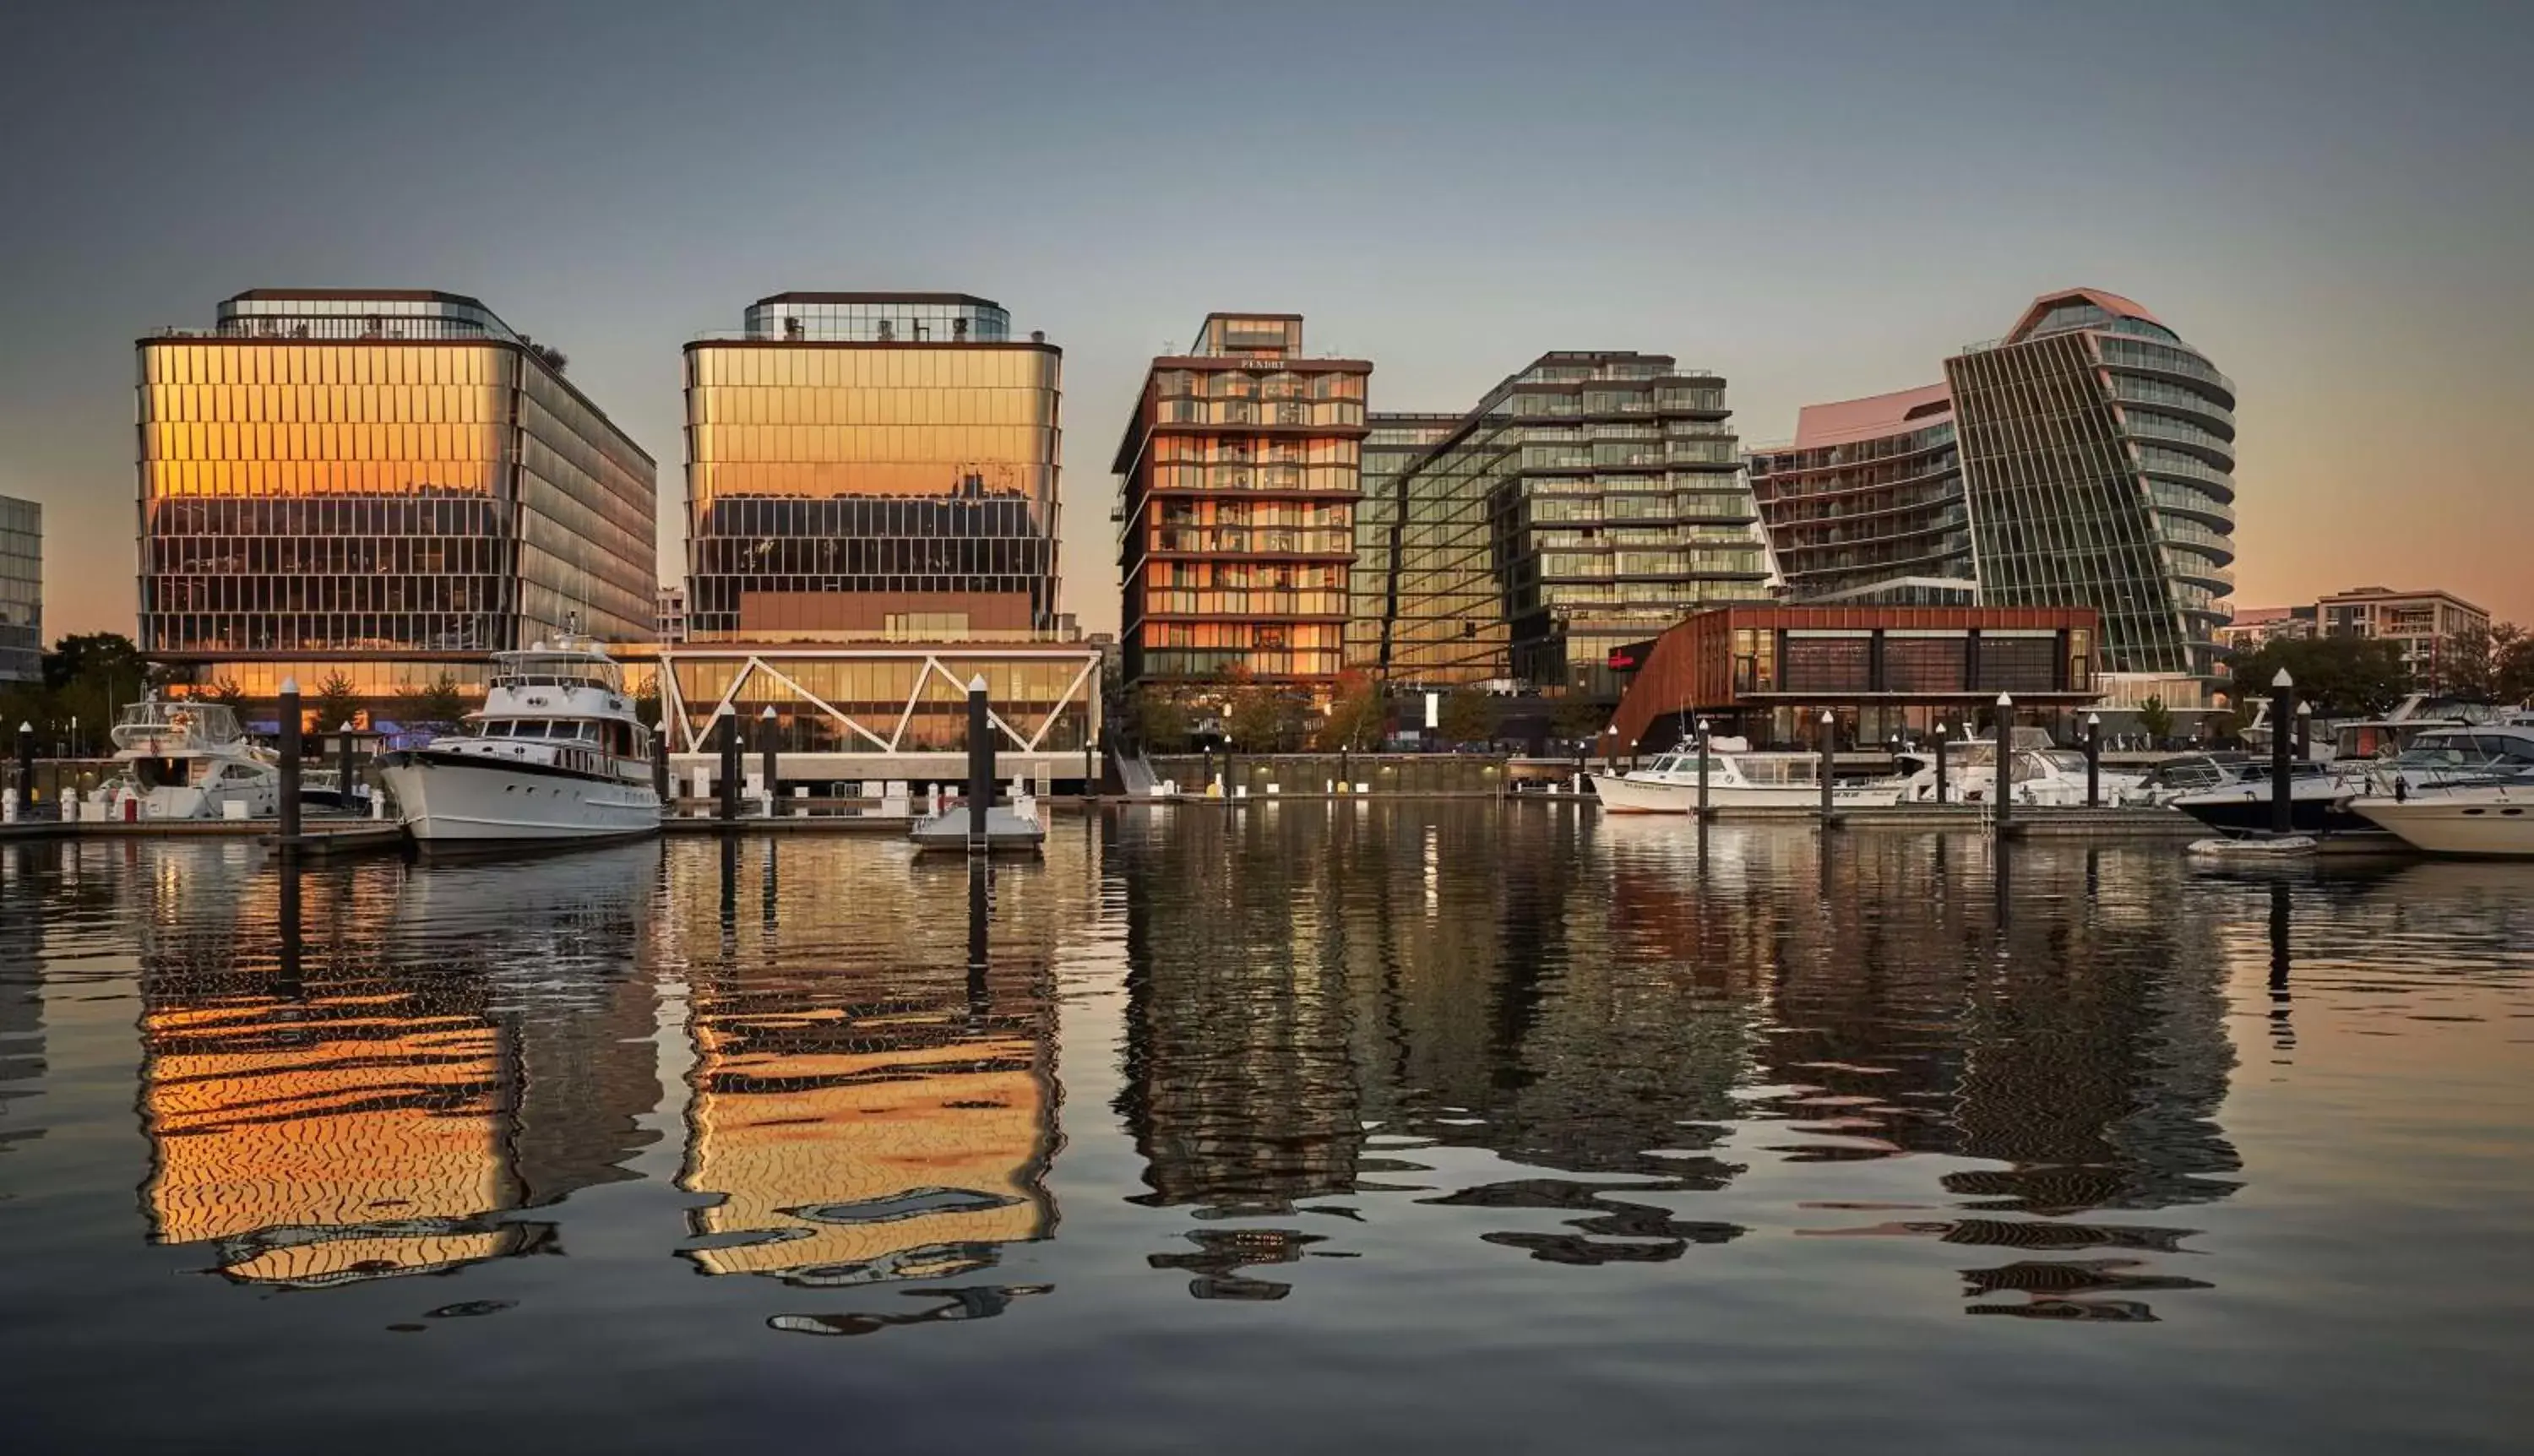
2097,450
21,590
384,495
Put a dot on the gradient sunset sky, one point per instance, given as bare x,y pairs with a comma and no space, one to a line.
1819,200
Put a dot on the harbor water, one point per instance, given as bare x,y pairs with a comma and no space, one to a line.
1446,1126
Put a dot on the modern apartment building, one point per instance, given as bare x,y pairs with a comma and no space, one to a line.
1396,440
381,484
2087,458
2425,624
21,590
1865,505
669,614
2255,627
1589,502
1238,478
872,466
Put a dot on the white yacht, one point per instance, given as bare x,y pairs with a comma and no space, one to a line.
2039,771
1736,778
556,753
2323,798
2493,821
183,759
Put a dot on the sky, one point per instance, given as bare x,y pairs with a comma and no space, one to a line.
1819,200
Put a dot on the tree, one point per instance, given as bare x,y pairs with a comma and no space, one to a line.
2511,651
227,693
337,703
2342,677
442,703
1264,720
2155,719
2467,666
1356,716
1466,717
1161,723
1578,718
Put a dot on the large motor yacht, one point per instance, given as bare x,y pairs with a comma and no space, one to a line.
556,753
1736,778
2493,821
185,759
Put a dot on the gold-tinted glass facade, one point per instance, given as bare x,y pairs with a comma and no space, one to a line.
391,508
1238,482
21,590
832,485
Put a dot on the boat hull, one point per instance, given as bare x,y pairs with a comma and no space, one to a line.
2479,829
460,799
2246,814
1621,795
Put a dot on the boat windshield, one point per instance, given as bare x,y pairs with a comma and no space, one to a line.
156,725
554,670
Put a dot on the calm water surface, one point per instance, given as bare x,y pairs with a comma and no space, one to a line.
1341,1127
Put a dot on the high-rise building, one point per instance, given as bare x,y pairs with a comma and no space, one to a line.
669,614
2098,458
1588,503
2425,624
1238,481
1396,440
872,466
1865,503
384,485
2087,458
21,590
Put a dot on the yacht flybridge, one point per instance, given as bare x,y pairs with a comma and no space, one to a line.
555,754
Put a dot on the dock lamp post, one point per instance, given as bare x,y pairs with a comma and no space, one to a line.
2094,761
2305,733
1702,770
766,746
1829,749
2001,789
286,818
1230,779
2283,711
1942,789
1632,754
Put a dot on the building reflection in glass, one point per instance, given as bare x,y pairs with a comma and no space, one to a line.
862,1104
352,1100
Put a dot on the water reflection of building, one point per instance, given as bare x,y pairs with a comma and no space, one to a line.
368,1095
1313,997
865,1108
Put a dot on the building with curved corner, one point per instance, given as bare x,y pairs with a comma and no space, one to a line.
382,485
2086,459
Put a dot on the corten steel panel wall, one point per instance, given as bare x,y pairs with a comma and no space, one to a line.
1396,440
856,465
1691,667
386,509
21,590
1590,500
2097,450
1239,478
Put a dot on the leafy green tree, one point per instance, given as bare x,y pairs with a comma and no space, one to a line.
2512,650
1161,722
1466,717
2155,719
2342,677
337,703
442,704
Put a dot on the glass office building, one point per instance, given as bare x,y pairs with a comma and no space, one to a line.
872,467
21,591
1237,482
386,485
2098,458
1865,503
1396,440
1588,503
